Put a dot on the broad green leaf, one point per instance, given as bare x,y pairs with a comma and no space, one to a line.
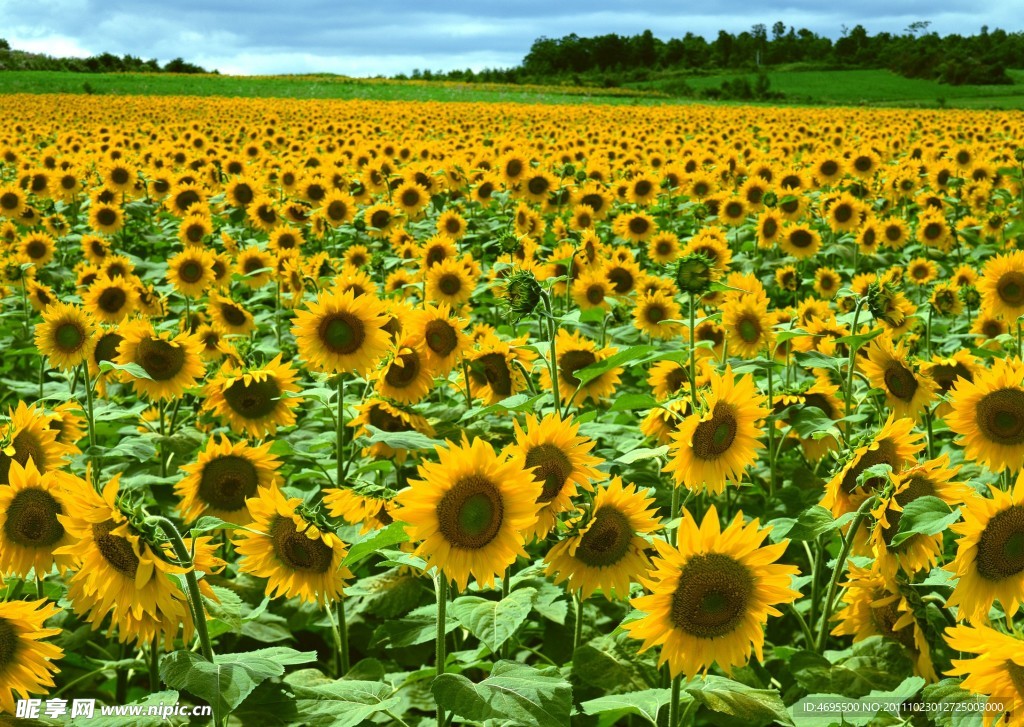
167,698
826,709
755,706
925,515
635,455
817,360
630,355
494,622
208,522
810,420
416,627
393,534
952,706
811,523
645,704
130,368
402,440
346,702
514,694
516,402
633,402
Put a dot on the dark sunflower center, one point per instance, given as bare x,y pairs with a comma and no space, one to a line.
655,313
734,209
337,211
232,314
243,194
257,400
449,284
161,359
945,376
552,468
749,329
106,217
36,249
266,214
933,230
769,227
493,368
900,381
571,362
712,596
470,514
9,201
386,421
862,163
514,168
115,549
1001,545
401,376
69,336
595,294
191,271
1000,416
885,619
298,552
380,219
639,225
112,300
342,333
607,540
842,213
32,519
800,238
884,454
712,438
819,401
440,337
106,347
917,486
538,185
26,447
621,279
676,379
195,233
829,168
1010,288
226,482
663,248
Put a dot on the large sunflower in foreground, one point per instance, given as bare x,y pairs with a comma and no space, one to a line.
223,478
29,529
988,414
990,555
711,596
560,460
605,551
895,444
874,606
997,672
26,661
342,332
470,511
256,400
66,336
720,442
907,391
1002,285
172,363
297,558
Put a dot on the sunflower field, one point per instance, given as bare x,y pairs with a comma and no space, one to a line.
347,413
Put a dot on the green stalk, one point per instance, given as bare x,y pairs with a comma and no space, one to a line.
553,355
340,432
833,586
693,355
154,665
441,592
577,629
90,421
673,704
771,428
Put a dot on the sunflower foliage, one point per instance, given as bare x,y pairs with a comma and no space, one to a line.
336,414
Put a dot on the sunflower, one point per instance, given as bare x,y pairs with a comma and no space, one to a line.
68,421
470,511
449,281
229,316
444,336
30,502
769,228
988,414
634,226
875,606
560,460
367,511
111,299
895,444
262,214
651,313
407,376
105,217
671,378
722,441
605,550
575,352
185,197
996,672
66,336
28,436
711,596
820,395
255,400
989,560
194,229
387,417
592,290
12,201
380,219
748,327
172,365
493,372
663,248
191,271
224,477
26,661
1002,285
342,332
800,241
37,248
908,392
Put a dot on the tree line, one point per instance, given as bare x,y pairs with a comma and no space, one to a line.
18,60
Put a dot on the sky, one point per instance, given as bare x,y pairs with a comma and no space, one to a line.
387,37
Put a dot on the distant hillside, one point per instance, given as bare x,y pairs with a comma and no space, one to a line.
12,59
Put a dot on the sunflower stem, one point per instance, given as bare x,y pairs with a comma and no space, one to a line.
441,592
673,703
826,608
195,599
340,432
673,513
90,420
771,429
506,588
553,355
154,665
577,625
693,355
465,380
928,425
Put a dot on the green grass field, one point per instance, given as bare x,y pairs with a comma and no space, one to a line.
847,88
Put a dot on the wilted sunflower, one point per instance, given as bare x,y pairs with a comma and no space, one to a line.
388,418
255,400
223,478
988,414
711,596
342,332
575,352
27,436
719,443
558,458
407,376
298,558
26,661
66,336
895,444
111,300
605,550
29,529
172,364
996,672
990,555
470,511
907,391
875,606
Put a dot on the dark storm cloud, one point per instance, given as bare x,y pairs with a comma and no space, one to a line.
260,36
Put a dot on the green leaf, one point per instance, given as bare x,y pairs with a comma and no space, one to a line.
953,705
416,627
494,622
633,402
393,534
227,681
133,369
515,694
631,354
818,360
207,523
811,523
516,402
157,699
645,704
640,453
758,706
810,420
402,440
340,702
859,339
927,515
826,709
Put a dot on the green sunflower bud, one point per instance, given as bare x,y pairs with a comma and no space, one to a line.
522,293
694,273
